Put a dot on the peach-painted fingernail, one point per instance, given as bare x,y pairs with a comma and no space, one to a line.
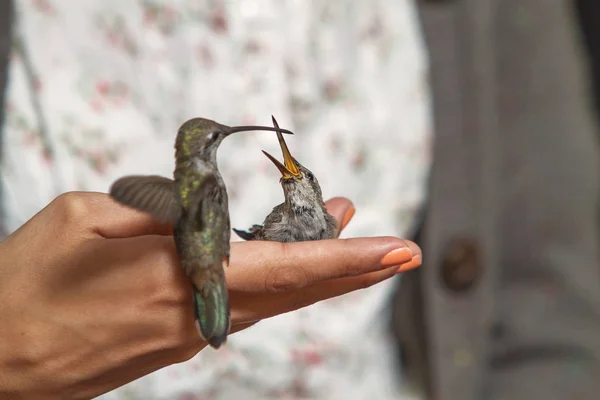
414,263
396,257
348,216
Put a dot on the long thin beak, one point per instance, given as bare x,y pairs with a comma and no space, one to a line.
288,161
285,173
288,169
233,129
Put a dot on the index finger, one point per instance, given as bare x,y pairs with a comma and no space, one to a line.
259,266
97,214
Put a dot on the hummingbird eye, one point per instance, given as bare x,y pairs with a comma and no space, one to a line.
212,137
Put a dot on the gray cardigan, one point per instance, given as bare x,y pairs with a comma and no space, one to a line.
507,302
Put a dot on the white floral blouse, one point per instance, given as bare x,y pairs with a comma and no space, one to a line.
97,90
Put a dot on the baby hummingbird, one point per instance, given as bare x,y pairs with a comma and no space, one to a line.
303,215
196,203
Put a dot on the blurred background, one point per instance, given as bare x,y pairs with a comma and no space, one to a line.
467,125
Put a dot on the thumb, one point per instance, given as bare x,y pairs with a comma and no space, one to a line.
342,209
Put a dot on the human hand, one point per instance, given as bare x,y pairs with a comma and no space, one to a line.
270,278
92,295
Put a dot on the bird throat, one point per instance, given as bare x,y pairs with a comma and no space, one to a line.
303,212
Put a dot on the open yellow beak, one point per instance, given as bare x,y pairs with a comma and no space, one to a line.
288,169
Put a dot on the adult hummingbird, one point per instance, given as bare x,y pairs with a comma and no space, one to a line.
196,203
303,215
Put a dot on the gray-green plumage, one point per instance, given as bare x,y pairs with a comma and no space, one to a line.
303,215
196,203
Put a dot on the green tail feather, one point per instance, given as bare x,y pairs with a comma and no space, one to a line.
212,315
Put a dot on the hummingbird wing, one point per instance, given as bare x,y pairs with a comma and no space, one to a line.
249,234
153,194
199,198
258,232
275,217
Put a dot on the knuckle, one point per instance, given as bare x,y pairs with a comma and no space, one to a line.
174,342
352,265
176,335
166,277
352,268
178,330
72,206
166,271
284,279
171,292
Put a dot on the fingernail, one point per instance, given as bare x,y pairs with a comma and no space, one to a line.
348,216
416,250
396,257
414,263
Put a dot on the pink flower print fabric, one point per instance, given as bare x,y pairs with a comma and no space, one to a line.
98,90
